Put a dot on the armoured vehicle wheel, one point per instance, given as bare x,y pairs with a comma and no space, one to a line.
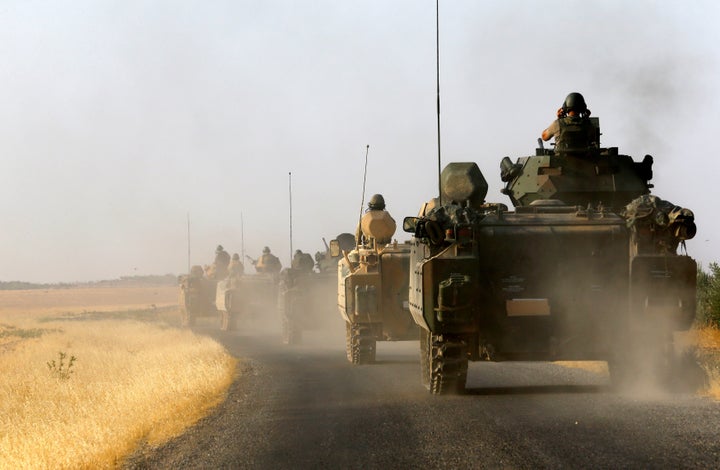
667,364
448,361
290,332
664,361
659,371
363,344
650,360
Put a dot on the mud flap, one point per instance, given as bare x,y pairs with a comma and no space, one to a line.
662,290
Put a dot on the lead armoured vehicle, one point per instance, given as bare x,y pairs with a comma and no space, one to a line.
373,290
585,267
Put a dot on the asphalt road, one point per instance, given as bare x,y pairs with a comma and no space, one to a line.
307,407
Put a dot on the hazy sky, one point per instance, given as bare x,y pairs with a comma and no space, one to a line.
120,118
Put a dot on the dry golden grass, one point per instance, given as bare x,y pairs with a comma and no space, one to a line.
133,382
707,343
708,338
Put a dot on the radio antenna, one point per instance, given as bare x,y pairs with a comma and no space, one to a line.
437,70
291,235
188,240
362,202
242,237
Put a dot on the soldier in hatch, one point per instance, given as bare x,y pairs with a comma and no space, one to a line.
573,131
302,261
267,263
376,205
236,268
221,263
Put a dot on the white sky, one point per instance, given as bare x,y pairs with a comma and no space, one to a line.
118,118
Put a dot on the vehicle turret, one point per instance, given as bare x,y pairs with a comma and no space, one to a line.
597,177
378,225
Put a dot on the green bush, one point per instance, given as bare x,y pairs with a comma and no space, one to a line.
708,296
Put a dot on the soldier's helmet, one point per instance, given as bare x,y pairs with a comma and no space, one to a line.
266,250
236,257
219,249
377,202
575,102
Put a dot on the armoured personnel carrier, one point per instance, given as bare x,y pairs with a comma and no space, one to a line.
230,300
197,296
327,261
306,294
373,289
247,298
585,267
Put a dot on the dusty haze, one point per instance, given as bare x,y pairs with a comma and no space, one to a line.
121,117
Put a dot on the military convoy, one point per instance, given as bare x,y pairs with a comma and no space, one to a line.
373,289
588,265
585,267
304,294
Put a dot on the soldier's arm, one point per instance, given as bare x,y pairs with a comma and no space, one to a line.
550,132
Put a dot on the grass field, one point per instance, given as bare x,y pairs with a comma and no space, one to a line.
88,375
707,341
